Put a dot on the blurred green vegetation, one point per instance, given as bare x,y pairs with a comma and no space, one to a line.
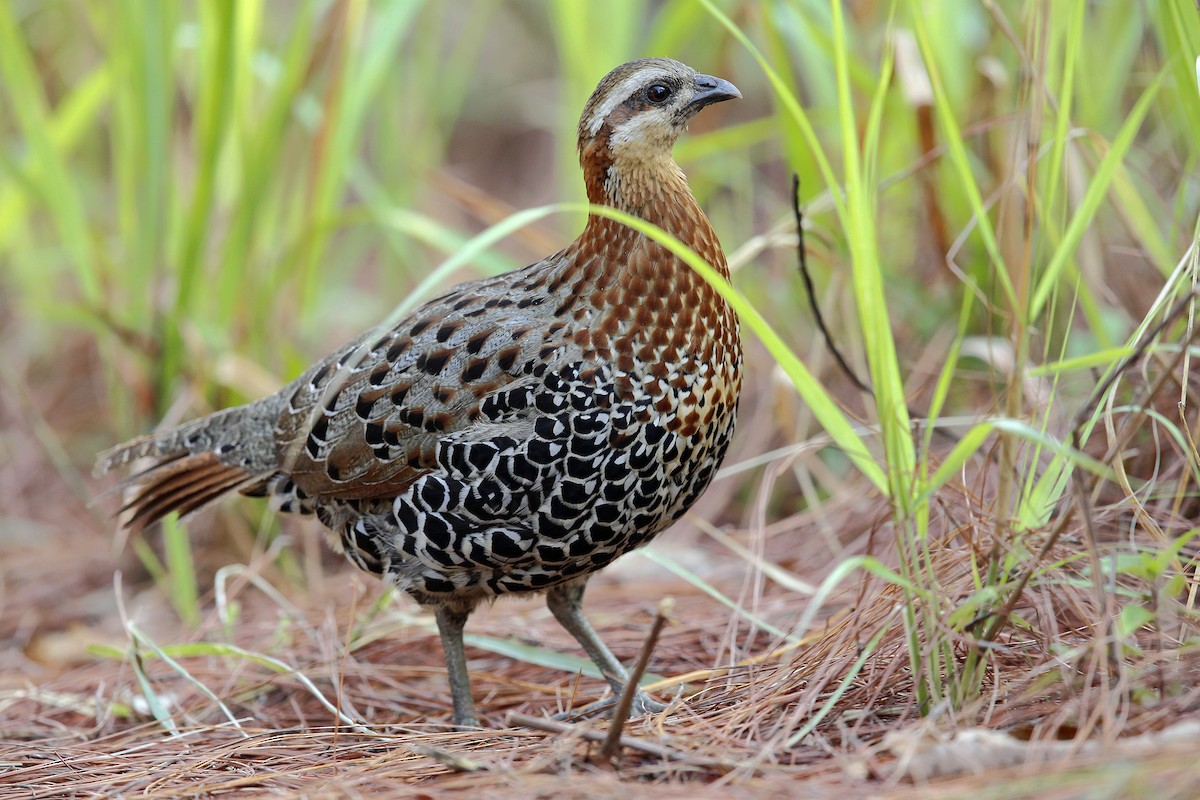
999,198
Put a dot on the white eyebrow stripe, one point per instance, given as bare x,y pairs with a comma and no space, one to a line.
619,94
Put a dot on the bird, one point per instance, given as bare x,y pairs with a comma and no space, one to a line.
517,433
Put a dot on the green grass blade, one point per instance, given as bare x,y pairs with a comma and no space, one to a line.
1097,190
54,185
957,155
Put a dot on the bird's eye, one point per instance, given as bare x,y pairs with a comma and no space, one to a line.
658,93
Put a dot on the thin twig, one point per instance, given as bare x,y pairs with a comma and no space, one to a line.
812,291
810,288
620,715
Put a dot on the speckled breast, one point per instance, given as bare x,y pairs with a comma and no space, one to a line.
597,478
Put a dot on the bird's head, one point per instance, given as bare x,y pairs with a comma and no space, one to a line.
631,122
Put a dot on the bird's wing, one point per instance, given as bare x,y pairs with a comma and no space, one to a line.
366,422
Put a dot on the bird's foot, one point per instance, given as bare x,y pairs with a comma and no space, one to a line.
643,705
464,724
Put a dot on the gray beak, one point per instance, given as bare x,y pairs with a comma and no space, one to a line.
711,90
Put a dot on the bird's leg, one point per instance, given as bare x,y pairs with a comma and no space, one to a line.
450,622
566,604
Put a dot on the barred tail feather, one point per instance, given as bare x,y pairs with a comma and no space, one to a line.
184,485
193,465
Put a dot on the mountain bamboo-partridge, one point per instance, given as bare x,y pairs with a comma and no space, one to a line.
517,433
